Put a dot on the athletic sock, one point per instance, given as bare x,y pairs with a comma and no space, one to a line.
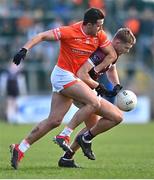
88,136
68,155
24,146
66,132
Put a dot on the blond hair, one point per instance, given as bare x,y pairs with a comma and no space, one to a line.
125,35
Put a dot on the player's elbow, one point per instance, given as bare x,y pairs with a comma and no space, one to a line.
41,36
81,75
113,56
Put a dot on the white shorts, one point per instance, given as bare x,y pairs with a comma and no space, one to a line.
61,79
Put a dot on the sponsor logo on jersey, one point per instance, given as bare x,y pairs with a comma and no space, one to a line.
78,51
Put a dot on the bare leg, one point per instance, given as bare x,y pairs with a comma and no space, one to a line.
87,97
66,160
89,124
108,111
11,109
59,106
102,108
112,117
75,146
81,92
103,124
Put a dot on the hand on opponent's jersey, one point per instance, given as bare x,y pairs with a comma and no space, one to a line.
19,56
102,91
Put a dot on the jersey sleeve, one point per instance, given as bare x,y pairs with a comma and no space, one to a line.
96,57
103,39
62,33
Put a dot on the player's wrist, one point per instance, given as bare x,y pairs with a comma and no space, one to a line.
93,74
24,49
100,89
117,88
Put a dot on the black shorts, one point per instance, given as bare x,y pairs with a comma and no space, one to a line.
12,88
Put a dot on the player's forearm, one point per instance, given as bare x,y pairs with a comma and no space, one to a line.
34,41
83,74
109,59
44,36
113,77
91,83
88,80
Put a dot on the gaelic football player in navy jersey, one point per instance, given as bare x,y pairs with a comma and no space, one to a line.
122,43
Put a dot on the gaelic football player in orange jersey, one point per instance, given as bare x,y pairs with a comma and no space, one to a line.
77,42
122,42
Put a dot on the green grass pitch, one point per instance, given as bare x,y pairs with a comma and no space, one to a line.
126,151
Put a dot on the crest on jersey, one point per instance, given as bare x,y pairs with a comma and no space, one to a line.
95,40
87,41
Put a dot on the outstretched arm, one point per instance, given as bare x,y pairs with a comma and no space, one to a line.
44,36
83,74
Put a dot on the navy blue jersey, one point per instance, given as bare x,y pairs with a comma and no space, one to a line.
97,57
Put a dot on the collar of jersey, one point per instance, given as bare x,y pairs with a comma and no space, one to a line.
83,31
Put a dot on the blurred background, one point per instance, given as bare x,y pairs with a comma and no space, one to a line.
20,20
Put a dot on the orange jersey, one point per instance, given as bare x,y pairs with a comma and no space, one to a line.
76,46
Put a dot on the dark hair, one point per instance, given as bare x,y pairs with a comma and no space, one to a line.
125,35
92,15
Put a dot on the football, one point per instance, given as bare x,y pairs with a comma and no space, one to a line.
126,100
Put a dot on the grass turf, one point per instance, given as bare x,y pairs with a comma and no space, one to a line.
126,151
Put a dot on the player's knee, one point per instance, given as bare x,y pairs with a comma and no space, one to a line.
95,106
119,117
54,122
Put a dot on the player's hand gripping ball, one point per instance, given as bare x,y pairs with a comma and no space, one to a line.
126,100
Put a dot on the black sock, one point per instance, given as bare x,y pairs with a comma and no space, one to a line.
68,155
88,136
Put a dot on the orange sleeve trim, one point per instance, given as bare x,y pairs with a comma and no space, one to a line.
70,84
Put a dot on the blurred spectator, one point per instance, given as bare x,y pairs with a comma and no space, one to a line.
132,21
97,3
12,85
77,2
139,4
6,28
23,23
52,49
63,9
144,42
19,18
38,51
152,50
